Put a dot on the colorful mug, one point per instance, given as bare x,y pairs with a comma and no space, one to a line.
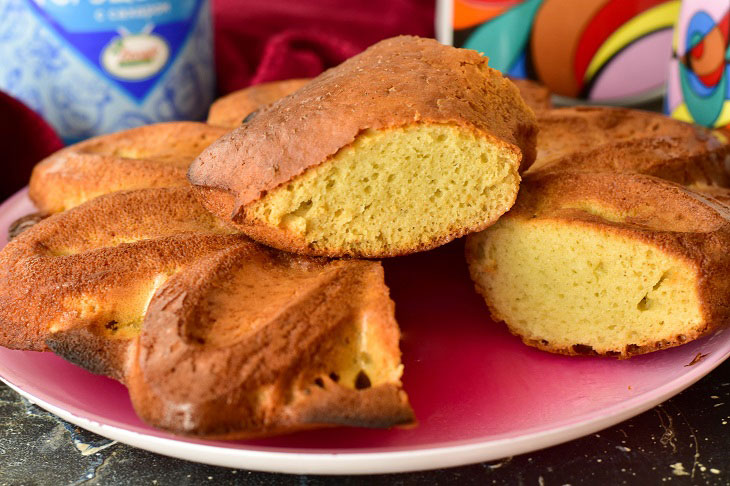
98,66
698,87
608,51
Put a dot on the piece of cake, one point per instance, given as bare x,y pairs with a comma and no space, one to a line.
214,334
231,110
565,132
100,263
253,342
691,161
399,149
149,156
597,257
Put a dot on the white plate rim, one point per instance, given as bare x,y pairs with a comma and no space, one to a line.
417,459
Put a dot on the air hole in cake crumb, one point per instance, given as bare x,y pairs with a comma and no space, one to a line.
301,210
362,381
319,382
643,304
334,377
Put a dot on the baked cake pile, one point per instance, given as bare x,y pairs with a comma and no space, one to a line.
399,149
617,244
213,267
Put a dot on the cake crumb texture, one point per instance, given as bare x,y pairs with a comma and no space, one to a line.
414,185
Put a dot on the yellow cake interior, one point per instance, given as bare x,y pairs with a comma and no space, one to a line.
394,189
568,286
118,314
364,354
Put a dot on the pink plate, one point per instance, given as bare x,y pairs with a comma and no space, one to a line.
478,392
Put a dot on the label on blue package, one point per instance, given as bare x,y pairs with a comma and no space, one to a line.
99,66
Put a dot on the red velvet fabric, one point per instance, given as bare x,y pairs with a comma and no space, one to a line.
267,40
25,138
255,41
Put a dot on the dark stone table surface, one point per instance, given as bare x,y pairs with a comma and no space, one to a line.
686,440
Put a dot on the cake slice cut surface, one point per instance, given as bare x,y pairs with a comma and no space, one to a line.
399,149
608,264
416,188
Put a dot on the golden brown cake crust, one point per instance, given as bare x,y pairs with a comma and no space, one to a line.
397,82
230,110
565,132
693,225
149,156
684,160
47,277
214,335
276,377
536,95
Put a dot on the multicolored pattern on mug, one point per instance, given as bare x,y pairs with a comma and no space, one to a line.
603,50
698,86
97,66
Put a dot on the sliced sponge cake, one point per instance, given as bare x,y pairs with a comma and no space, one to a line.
214,334
400,149
252,341
97,265
606,263
149,156
611,136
